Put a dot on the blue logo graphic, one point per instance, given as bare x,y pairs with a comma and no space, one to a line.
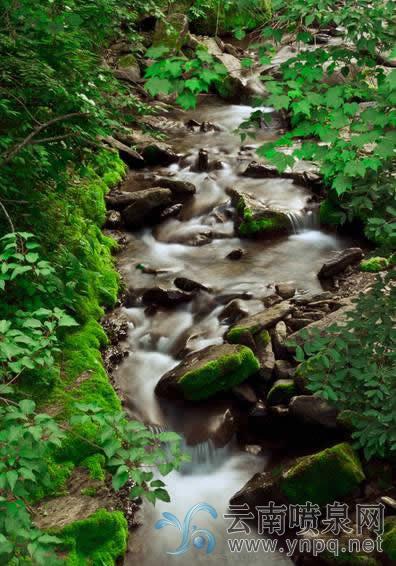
190,533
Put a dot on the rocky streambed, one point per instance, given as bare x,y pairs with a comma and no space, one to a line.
220,262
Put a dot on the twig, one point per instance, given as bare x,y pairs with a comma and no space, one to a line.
8,217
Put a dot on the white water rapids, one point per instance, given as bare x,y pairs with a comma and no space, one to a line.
154,342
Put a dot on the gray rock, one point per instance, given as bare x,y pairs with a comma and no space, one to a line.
245,393
265,319
339,262
128,68
285,290
131,157
265,354
171,211
279,336
181,189
283,369
314,410
233,311
118,200
189,285
235,254
144,206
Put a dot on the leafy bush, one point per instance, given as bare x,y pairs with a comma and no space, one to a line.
353,365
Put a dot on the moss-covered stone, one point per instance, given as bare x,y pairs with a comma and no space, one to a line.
261,223
100,539
281,392
389,538
323,477
128,60
95,466
203,374
172,32
239,335
374,264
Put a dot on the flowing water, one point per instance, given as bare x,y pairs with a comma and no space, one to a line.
156,342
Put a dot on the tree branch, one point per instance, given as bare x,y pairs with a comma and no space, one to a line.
28,140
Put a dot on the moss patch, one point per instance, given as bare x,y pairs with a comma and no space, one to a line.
374,264
100,539
281,392
323,477
95,466
239,335
389,538
269,222
219,375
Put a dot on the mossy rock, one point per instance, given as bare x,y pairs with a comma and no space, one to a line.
256,220
281,392
259,322
389,538
99,539
203,374
323,477
171,33
374,264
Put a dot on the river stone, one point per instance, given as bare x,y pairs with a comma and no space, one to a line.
265,354
245,393
118,200
232,312
279,336
189,285
181,189
285,290
159,153
128,68
283,369
171,211
321,478
281,392
204,373
169,298
256,219
314,410
260,321
236,254
144,206
131,157
305,173
339,262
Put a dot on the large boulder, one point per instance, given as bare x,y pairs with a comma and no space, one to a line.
159,153
281,392
172,32
324,477
204,373
304,173
181,189
254,219
339,262
144,206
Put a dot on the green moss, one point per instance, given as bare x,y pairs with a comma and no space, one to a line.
323,477
127,61
270,222
374,264
389,538
98,540
219,375
89,491
238,334
264,338
95,466
281,392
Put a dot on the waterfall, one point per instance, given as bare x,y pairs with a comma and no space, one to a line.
205,457
303,220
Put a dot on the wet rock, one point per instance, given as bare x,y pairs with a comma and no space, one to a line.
279,336
210,127
189,285
253,449
202,163
159,153
283,369
245,393
255,219
304,173
144,205
171,211
285,290
278,411
281,392
233,311
165,297
298,323
339,262
226,297
118,200
128,68
265,354
171,32
113,219
236,254
217,424
260,321
271,300
131,157
204,373
181,189
314,410
198,238
310,478
192,124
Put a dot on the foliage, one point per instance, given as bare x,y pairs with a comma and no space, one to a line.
185,77
342,111
353,366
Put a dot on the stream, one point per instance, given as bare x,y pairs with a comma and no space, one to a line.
157,341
